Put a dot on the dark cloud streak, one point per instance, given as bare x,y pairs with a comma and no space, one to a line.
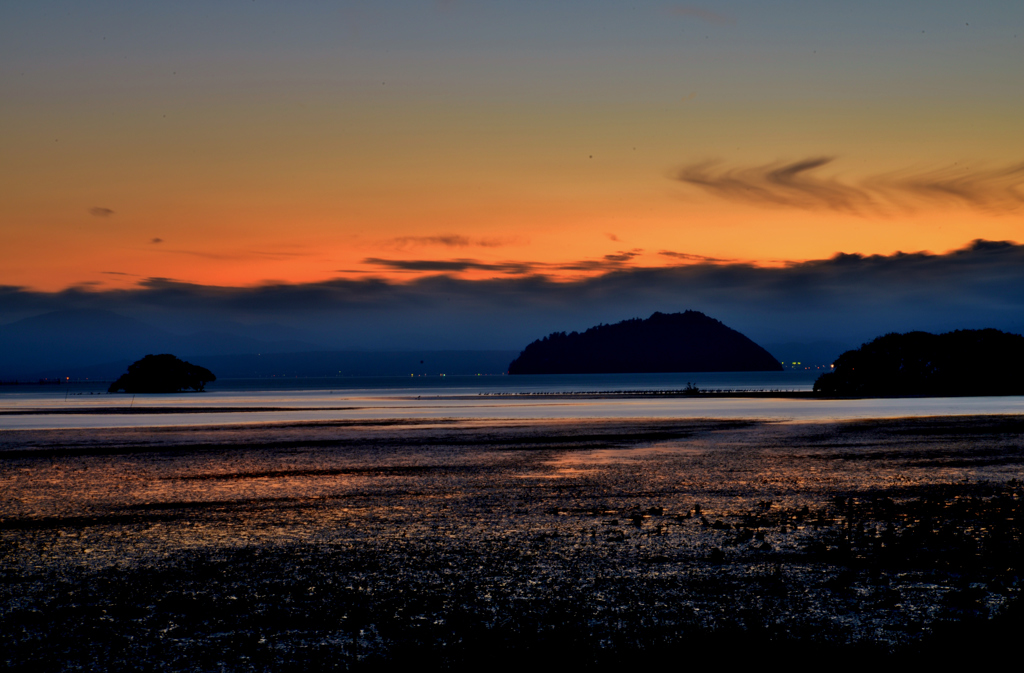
607,263
623,256
687,257
456,265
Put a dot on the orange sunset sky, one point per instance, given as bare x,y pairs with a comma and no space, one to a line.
245,143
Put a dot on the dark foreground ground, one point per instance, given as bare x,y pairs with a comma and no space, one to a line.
512,545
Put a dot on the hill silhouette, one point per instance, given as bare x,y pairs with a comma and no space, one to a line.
665,342
964,362
162,374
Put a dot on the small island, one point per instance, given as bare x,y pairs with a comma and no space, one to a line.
964,362
665,342
162,374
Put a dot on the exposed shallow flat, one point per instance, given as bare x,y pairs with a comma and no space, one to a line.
341,542
231,408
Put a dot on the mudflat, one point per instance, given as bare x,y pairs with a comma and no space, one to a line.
355,545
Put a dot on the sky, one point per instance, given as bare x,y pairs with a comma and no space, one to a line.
552,163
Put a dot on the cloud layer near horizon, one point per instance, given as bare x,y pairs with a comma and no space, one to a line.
848,298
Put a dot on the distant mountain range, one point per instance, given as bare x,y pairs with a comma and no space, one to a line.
54,342
674,342
101,344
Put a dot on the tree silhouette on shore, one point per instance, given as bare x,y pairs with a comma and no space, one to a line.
964,362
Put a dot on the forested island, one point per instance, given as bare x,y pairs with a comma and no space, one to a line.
665,342
964,362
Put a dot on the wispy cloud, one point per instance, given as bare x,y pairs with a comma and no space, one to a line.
999,189
157,240
449,241
236,255
96,211
799,184
779,184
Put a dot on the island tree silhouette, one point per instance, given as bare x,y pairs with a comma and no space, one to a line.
162,374
665,342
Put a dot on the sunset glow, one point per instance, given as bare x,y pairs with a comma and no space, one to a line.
255,143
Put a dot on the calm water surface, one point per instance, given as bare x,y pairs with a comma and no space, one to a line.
494,397
474,385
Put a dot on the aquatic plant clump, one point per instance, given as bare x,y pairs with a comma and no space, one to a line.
162,374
